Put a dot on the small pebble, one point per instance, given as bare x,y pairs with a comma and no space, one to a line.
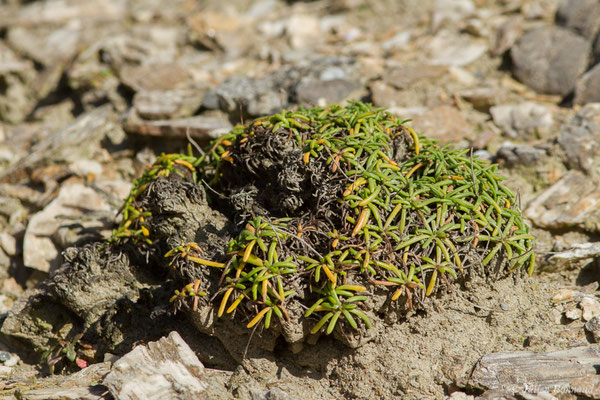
4,356
593,326
590,308
504,306
12,361
573,314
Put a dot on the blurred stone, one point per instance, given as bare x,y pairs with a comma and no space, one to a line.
581,16
482,98
403,76
45,45
82,385
303,30
444,123
520,155
80,139
396,42
383,95
593,326
573,201
460,396
451,12
199,127
255,96
587,89
165,369
158,104
573,314
580,139
550,59
75,202
17,96
523,120
8,243
61,11
575,257
507,34
590,307
587,387
272,394
311,91
155,77
450,49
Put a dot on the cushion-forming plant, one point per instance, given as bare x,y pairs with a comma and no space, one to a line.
331,206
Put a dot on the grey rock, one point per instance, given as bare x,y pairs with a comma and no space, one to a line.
451,12
574,257
550,59
580,139
81,385
158,104
507,34
407,74
450,49
523,120
586,387
44,44
482,98
593,326
240,95
62,11
520,155
587,89
312,91
581,16
155,76
18,97
80,139
255,96
165,369
535,372
272,394
75,202
206,126
4,356
570,202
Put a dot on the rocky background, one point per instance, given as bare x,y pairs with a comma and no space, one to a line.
92,91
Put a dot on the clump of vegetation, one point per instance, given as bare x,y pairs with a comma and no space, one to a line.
334,204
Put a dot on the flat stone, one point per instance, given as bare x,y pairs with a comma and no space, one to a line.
535,372
511,155
580,139
62,11
581,16
507,34
451,12
255,96
550,59
17,98
482,98
165,369
450,49
573,201
403,76
80,139
573,314
593,326
199,127
587,387
444,123
45,45
575,257
590,307
74,200
312,91
152,77
158,104
587,89
523,120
